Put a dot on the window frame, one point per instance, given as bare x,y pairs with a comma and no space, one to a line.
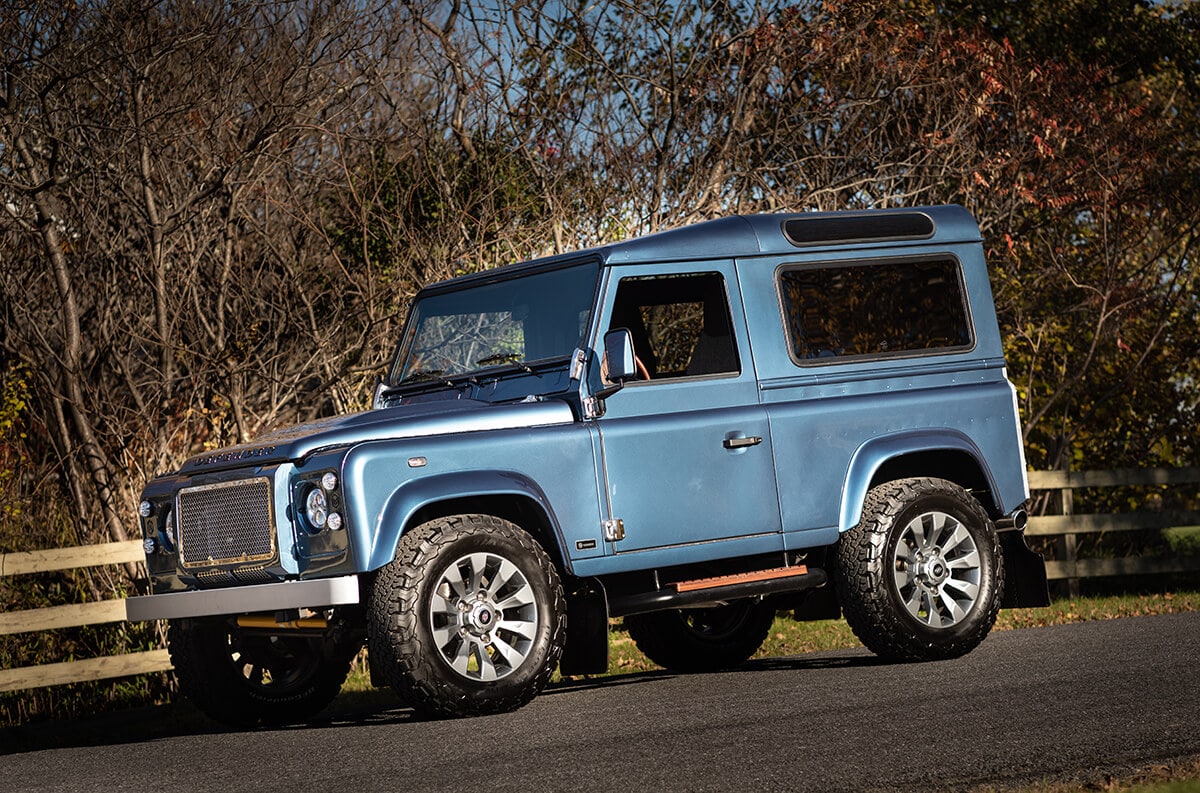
923,352
734,340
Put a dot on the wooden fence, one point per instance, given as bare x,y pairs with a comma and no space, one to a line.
1070,524
1067,567
74,615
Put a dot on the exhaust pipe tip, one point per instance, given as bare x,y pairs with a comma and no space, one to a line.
1018,520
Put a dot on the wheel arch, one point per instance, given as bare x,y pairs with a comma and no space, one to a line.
945,454
503,494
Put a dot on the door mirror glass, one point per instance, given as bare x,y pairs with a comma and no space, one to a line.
618,356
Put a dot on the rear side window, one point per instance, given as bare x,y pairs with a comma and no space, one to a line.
874,309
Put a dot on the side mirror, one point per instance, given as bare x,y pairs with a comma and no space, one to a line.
619,364
618,352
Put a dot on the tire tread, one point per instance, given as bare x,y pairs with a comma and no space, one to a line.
396,643
862,566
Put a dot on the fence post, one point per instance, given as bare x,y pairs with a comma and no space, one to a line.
1066,542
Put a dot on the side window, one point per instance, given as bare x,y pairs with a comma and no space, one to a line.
873,309
680,324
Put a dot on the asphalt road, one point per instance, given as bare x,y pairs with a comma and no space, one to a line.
1062,702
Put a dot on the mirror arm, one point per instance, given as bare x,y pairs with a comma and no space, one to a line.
609,390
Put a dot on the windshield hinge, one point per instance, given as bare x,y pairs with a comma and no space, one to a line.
578,363
380,387
614,530
593,408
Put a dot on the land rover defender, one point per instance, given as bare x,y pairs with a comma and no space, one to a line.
802,414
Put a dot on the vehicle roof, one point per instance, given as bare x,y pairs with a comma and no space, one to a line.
749,235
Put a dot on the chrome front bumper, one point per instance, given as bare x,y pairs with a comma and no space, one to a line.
315,593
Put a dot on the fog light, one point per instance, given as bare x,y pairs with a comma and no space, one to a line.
334,521
316,508
145,508
329,481
149,545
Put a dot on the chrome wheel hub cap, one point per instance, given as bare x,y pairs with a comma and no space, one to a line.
483,616
937,569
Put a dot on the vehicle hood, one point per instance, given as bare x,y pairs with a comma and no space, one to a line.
407,421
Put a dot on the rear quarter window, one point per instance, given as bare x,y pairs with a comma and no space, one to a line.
874,309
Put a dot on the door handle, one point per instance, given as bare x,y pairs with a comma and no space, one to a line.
741,443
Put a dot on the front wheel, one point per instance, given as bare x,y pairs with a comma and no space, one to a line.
702,639
468,619
920,577
246,677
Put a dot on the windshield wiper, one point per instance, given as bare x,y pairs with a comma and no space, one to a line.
422,375
504,357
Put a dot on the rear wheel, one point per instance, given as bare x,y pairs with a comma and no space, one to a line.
921,576
249,677
702,639
468,619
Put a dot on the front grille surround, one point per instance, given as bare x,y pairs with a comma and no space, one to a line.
226,523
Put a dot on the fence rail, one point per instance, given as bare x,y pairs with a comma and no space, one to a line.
1065,526
73,616
1068,525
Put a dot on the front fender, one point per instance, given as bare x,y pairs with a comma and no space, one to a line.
408,498
873,454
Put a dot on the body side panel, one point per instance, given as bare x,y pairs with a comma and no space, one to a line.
384,489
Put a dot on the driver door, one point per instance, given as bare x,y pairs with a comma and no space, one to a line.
686,450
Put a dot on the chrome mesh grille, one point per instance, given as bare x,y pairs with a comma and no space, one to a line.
226,522
254,575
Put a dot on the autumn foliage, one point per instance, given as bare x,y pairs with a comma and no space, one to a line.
212,214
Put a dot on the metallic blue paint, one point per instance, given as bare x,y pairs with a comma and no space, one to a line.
874,452
409,421
411,496
552,466
652,454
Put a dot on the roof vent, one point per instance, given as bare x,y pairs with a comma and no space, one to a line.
876,227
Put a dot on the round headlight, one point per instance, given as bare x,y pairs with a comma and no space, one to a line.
316,508
329,481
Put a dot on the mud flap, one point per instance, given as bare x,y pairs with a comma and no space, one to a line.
586,651
1025,583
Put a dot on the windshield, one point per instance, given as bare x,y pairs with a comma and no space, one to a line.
515,322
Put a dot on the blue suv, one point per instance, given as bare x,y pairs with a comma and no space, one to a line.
693,430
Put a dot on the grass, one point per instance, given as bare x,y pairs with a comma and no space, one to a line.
1172,777
1183,540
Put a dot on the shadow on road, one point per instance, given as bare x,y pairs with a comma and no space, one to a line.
182,719
352,708
827,660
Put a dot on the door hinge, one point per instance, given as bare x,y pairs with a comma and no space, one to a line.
614,530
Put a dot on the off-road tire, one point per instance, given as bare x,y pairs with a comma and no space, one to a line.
705,639
248,678
870,569
410,652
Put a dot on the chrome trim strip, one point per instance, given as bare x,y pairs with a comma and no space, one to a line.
315,593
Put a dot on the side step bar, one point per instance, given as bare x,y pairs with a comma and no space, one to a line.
704,591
